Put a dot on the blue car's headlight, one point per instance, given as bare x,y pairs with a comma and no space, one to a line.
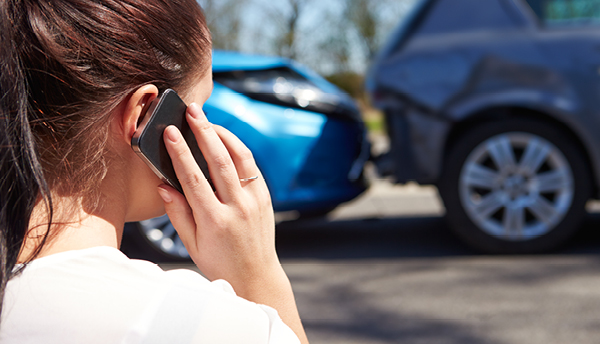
286,87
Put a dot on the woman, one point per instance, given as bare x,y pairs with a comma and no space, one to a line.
77,78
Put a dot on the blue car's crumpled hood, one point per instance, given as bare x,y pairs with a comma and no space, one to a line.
225,61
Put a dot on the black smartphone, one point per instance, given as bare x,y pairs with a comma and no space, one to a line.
148,143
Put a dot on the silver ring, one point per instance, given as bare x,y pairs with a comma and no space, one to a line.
248,179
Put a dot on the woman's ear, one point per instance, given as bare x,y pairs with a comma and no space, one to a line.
135,108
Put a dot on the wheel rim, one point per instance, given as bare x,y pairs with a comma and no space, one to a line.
516,186
162,236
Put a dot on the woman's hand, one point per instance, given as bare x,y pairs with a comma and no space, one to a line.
229,233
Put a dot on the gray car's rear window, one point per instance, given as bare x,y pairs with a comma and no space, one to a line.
554,13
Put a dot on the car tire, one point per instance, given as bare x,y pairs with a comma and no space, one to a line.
315,214
515,186
155,240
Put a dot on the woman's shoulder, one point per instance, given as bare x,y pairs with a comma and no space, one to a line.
101,293
101,267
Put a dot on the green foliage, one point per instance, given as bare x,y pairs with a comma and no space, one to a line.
374,123
352,83
349,82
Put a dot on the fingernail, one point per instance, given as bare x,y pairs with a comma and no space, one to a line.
164,194
172,134
195,111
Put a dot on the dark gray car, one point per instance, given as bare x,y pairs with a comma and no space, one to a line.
497,102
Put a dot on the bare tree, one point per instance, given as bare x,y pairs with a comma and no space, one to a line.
334,48
331,36
364,16
286,19
224,19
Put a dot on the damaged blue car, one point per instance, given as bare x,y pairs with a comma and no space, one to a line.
306,135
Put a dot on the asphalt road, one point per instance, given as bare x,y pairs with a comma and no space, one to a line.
386,269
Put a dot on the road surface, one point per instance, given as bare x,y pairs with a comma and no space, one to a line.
386,269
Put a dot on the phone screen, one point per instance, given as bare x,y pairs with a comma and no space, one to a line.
167,109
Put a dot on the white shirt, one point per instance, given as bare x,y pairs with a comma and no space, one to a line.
98,295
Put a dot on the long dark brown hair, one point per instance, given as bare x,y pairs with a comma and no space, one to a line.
66,65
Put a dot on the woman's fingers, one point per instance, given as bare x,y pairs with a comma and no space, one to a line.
220,164
195,185
231,236
246,167
180,214
240,154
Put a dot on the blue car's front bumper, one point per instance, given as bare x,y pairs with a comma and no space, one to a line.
310,161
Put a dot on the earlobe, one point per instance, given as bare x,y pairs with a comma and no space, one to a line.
135,109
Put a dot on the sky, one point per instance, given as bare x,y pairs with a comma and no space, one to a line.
318,23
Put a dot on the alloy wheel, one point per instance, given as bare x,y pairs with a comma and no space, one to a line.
163,237
516,186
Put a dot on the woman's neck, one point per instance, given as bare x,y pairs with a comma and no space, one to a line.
73,228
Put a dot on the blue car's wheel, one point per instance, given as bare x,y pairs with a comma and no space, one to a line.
155,240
